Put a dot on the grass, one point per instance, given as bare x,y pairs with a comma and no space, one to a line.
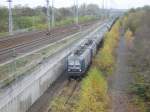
3,34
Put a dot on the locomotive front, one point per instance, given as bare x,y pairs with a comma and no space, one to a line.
74,65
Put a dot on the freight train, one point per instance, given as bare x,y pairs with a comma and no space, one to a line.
80,59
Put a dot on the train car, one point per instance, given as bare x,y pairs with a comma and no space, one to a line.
92,45
98,38
80,59
100,34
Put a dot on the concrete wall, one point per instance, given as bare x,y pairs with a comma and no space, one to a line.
20,95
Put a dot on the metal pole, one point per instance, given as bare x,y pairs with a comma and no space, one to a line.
10,18
103,4
53,16
48,16
15,63
76,11
103,10
107,8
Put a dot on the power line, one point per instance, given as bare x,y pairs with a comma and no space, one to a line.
10,18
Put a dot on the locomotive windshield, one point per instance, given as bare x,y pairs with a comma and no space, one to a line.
74,62
74,65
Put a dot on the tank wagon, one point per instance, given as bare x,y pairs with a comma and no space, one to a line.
79,60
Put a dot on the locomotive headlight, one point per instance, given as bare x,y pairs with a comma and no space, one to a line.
69,70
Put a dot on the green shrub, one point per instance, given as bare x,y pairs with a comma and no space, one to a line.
58,105
129,37
40,26
86,18
66,21
105,59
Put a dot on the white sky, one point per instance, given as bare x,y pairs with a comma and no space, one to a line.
119,4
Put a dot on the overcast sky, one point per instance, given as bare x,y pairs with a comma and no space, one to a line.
119,4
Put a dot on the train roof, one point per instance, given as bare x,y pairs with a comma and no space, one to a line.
82,48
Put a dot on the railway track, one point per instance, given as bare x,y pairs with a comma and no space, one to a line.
14,40
7,53
73,88
9,48
26,34
67,93
54,30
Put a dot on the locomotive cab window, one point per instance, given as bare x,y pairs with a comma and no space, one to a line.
74,62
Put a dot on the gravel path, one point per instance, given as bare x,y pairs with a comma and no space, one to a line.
119,82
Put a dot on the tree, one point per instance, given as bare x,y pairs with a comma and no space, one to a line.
3,19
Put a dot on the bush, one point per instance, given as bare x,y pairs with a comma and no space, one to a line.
93,97
105,59
40,26
86,18
58,105
139,56
23,22
66,21
105,62
129,37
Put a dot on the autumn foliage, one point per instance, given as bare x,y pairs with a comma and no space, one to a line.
105,58
138,22
129,38
93,96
